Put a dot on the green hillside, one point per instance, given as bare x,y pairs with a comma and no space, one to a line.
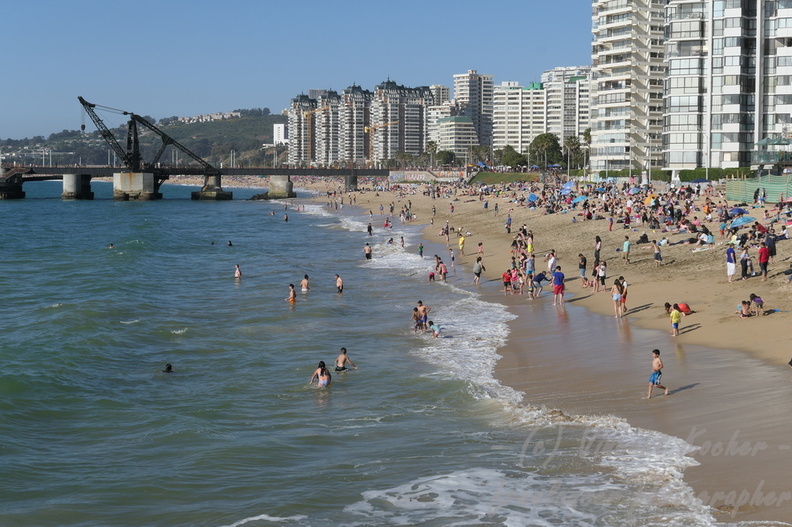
214,141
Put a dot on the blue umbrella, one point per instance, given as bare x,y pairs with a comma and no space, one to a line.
579,199
566,191
742,220
532,197
635,190
601,189
736,211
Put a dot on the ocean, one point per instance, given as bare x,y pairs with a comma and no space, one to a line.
95,434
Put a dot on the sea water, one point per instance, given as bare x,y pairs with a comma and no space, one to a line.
92,432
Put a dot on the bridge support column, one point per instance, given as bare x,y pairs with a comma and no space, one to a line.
350,182
134,186
77,186
10,188
212,191
281,187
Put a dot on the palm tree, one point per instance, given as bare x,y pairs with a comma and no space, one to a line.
431,147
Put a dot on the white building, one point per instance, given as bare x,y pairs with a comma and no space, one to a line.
398,120
567,101
519,115
473,98
627,84
457,135
280,135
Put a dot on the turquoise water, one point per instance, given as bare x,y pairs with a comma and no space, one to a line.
93,433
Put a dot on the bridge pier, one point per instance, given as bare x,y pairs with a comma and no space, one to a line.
10,188
134,186
350,182
281,187
77,186
212,191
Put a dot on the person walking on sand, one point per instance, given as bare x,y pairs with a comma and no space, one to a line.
342,360
731,261
626,249
658,256
676,317
657,373
461,244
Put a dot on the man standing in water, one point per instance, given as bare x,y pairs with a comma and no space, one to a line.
558,286
339,284
423,311
367,251
305,285
342,360
657,373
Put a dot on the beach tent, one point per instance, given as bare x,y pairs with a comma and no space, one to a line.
736,211
742,220
532,197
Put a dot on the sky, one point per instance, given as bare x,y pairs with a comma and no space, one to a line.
183,58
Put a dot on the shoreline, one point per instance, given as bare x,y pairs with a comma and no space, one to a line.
718,479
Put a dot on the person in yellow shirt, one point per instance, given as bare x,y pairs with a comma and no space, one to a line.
676,315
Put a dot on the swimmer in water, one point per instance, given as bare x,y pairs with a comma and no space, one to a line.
292,294
342,360
304,286
111,246
168,369
237,272
322,375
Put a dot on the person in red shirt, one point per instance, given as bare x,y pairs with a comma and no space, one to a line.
764,258
506,276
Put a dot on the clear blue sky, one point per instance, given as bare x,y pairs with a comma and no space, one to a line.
164,58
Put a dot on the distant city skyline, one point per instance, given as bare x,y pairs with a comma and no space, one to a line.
186,59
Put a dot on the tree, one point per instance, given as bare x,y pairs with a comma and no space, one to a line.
445,157
545,149
512,158
431,149
572,151
587,145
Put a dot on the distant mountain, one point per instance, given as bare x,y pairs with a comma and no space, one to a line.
214,141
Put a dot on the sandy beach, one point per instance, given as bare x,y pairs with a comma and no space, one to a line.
728,376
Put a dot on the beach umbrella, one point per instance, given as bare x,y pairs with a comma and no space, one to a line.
742,220
736,211
601,189
532,197
534,166
635,190
579,199
568,184
553,166
565,191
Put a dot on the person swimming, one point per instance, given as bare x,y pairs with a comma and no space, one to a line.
168,369
322,375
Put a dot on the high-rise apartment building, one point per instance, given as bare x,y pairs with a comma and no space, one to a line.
567,101
354,125
473,98
628,68
518,115
398,120
729,81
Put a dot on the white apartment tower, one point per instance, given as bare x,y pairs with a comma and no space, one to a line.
627,84
398,120
567,101
354,125
729,82
518,115
473,97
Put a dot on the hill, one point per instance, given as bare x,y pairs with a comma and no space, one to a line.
214,141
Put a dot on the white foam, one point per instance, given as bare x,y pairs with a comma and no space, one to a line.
130,321
267,518
179,331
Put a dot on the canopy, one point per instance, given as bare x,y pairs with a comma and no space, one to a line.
742,220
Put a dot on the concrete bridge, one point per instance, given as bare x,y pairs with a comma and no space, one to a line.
146,185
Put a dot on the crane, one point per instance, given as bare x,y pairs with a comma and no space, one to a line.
130,156
372,130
